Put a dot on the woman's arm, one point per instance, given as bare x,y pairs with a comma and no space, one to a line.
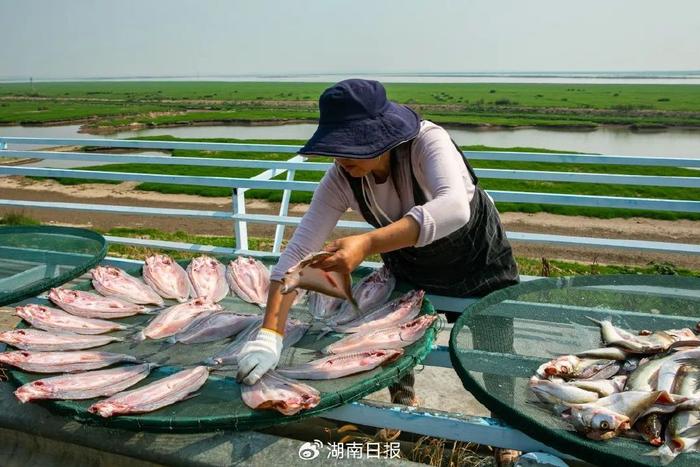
262,353
351,251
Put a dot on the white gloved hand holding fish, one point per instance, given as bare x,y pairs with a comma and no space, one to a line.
259,356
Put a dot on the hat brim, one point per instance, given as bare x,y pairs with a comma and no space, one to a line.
364,138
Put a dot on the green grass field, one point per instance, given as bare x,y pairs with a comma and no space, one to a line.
489,184
115,104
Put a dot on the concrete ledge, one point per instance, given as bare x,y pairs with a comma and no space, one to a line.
31,435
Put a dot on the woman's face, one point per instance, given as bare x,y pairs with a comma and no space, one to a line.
359,167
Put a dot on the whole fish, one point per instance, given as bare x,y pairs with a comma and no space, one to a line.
688,381
370,292
609,416
90,305
386,338
559,392
337,366
602,387
249,279
671,366
293,332
63,362
153,396
322,307
645,377
85,385
173,319
213,327
572,367
276,392
303,275
655,342
166,277
52,319
208,278
114,282
32,339
682,435
607,353
396,312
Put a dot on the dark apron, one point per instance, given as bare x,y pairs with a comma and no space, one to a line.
473,261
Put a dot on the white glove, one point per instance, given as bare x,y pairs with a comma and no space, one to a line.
259,356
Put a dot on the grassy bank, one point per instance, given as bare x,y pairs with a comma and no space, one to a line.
489,184
117,104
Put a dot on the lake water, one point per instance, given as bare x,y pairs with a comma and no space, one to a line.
671,143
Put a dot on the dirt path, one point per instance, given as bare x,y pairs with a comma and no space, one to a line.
682,231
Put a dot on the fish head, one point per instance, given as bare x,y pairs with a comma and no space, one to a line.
13,337
562,366
596,422
650,428
33,310
11,358
35,390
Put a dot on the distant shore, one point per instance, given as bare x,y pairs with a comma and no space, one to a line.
109,106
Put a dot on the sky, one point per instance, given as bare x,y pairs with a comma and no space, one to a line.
51,39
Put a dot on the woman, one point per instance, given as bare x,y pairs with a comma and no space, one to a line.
434,226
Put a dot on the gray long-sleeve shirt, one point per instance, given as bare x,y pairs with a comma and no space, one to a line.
440,172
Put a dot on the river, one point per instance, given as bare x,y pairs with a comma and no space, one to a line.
612,141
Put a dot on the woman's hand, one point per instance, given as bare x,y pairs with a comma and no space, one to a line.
349,252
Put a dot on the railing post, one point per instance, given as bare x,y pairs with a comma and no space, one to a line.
240,228
284,210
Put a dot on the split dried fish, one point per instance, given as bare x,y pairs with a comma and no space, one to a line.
212,327
117,283
32,339
249,279
85,385
276,392
386,338
52,319
63,362
303,275
172,320
208,278
337,366
90,305
397,311
167,277
153,396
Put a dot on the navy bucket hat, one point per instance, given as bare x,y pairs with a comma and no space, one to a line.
358,121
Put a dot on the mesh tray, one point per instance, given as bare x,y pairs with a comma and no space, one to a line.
499,342
36,258
218,404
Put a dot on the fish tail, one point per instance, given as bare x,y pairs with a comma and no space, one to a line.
596,321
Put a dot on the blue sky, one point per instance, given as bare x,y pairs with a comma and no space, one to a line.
97,38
